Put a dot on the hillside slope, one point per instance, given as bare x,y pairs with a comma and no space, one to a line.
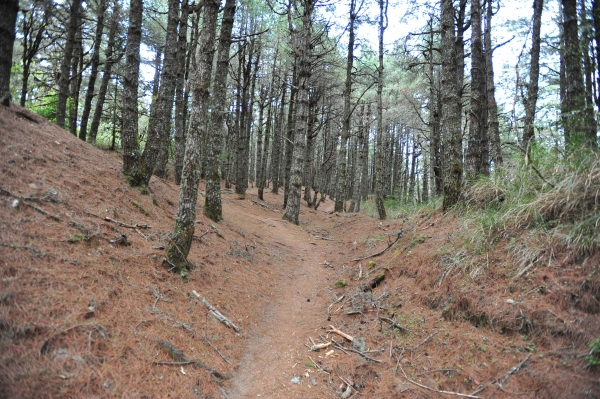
88,310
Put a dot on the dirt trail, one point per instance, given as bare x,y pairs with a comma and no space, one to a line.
275,352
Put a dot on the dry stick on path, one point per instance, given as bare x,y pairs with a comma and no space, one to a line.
399,235
216,313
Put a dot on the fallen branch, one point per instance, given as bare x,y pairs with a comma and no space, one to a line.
317,347
35,208
219,316
355,351
394,324
199,238
129,226
510,372
33,250
180,359
437,390
422,342
204,339
398,236
342,334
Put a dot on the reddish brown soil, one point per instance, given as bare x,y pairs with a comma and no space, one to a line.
467,325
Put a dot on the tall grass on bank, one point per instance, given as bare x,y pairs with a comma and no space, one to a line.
538,216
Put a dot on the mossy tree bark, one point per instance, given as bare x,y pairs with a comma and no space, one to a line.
65,65
304,52
380,132
108,64
159,126
450,123
341,192
534,73
180,92
213,207
129,130
89,95
183,233
492,106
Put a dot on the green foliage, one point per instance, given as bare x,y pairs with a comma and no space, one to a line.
593,358
47,109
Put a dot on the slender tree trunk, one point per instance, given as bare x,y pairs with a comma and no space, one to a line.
75,84
534,72
340,195
289,144
159,126
383,4
596,22
33,31
493,126
8,19
180,103
278,141
108,64
588,73
65,66
262,171
94,72
213,207
576,124
477,160
292,209
129,130
450,123
183,233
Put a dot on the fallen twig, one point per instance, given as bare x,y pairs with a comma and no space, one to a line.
199,238
394,324
398,236
180,359
436,390
422,342
510,372
205,340
342,334
357,352
216,313
129,226
33,250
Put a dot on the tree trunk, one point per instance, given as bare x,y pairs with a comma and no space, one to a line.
75,84
108,64
159,126
534,73
180,100
576,124
33,29
278,141
87,106
129,130
289,144
292,209
383,4
8,19
340,195
450,123
492,108
65,65
213,207
477,160
183,233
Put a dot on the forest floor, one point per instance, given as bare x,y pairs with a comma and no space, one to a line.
87,308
